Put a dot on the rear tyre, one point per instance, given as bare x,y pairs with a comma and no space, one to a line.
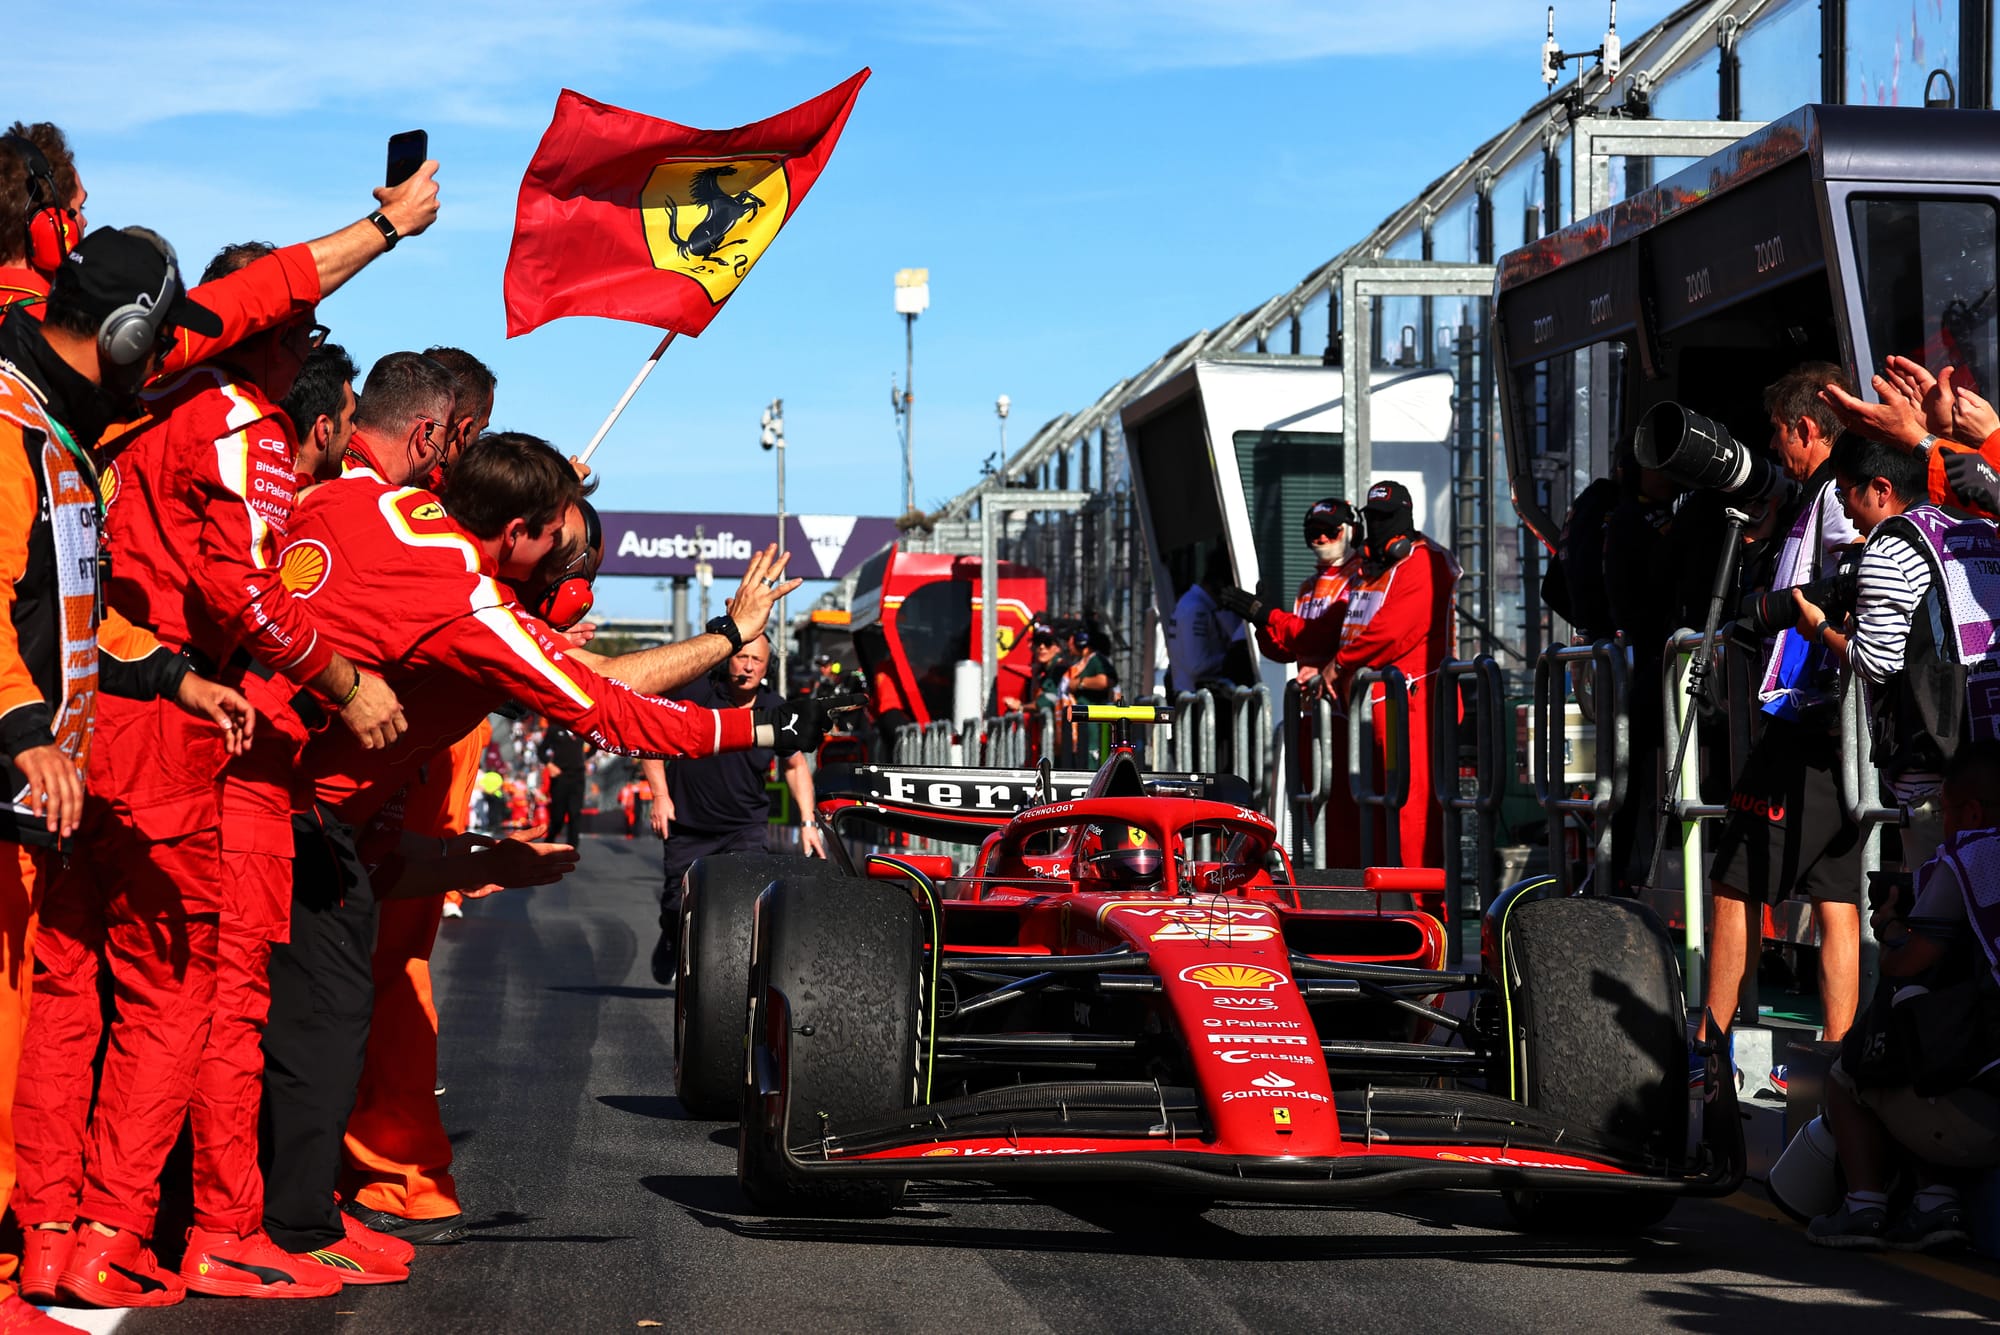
711,977
1600,1037
835,998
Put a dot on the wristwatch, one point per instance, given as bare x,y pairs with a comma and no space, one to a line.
385,227
726,628
1923,447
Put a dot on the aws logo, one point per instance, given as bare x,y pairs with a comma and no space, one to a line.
304,567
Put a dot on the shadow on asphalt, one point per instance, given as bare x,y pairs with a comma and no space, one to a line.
614,990
1152,1227
663,1106
480,1230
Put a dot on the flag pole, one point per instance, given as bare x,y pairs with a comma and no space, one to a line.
626,398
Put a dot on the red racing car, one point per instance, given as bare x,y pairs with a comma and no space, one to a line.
1128,985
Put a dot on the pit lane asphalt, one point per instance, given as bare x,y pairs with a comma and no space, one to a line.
596,1207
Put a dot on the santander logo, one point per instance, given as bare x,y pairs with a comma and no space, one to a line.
1272,1080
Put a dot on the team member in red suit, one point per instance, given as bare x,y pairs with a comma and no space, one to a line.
185,902
422,595
49,222
1399,614
1310,636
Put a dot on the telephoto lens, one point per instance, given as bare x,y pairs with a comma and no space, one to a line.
1699,453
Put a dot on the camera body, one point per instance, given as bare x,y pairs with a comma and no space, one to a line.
1769,612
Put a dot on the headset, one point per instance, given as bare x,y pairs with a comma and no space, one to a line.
569,599
51,227
130,333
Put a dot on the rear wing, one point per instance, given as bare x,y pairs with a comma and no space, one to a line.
966,805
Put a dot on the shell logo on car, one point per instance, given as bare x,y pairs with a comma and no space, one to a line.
1232,977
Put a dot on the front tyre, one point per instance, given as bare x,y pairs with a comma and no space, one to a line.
835,998
1599,1034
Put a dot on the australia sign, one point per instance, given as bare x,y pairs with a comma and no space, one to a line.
664,545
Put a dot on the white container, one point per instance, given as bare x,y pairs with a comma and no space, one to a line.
1805,1180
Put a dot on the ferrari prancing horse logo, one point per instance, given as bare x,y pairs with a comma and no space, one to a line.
711,219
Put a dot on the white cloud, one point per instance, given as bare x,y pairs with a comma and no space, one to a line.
462,63
1136,36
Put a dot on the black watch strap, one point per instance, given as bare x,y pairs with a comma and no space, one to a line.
726,628
385,227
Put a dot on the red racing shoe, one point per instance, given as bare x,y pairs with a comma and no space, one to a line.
118,1271
397,1250
223,1265
18,1316
357,1263
44,1256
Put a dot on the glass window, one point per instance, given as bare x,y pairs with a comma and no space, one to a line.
1893,45
1283,473
1927,274
1693,92
1779,57
1517,190
1455,231
1400,320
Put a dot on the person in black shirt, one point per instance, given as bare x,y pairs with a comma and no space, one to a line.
718,804
563,755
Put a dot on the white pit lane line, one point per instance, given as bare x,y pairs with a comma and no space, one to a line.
96,1320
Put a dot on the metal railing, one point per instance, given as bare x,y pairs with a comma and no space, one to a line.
1308,776
1860,785
1250,737
1488,715
1613,752
1395,749
1190,744
924,744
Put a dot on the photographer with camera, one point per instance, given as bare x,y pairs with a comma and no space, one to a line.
1787,830
1912,632
1919,1078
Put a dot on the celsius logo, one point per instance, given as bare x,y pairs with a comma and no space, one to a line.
1272,1080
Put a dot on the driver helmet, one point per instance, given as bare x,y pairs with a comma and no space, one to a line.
1128,855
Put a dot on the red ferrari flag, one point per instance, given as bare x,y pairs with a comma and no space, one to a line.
634,218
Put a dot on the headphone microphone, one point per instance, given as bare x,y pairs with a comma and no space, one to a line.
50,225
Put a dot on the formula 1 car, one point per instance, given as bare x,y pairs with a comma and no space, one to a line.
1129,985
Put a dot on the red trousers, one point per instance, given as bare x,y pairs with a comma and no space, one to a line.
398,1156
256,910
23,872
145,907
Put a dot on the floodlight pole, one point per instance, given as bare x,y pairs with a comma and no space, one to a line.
909,396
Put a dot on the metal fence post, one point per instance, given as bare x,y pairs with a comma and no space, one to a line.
1489,746
1396,750
1613,752
1860,790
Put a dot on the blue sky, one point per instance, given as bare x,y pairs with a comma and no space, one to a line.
1088,183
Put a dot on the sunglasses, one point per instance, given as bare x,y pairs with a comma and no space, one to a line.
316,336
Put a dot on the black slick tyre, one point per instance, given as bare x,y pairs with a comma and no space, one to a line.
711,976
1599,1035
836,993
